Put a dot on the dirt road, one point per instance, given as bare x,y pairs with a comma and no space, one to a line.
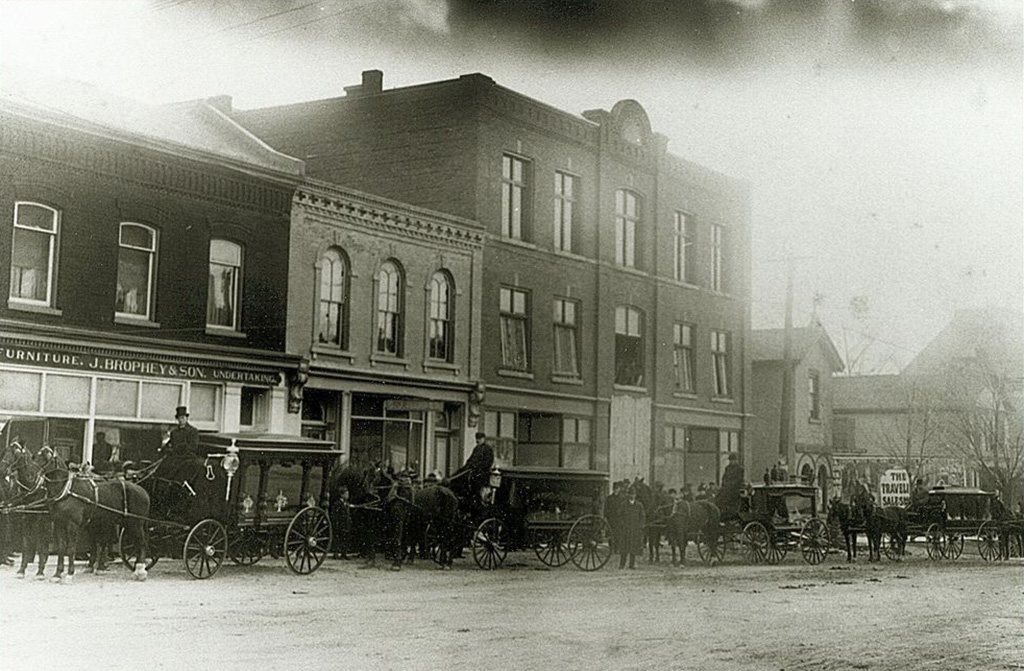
907,616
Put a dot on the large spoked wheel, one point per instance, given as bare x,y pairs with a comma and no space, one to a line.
589,542
308,540
205,549
710,553
891,547
490,544
246,549
755,543
935,542
954,544
776,551
552,550
129,553
814,541
1016,545
988,541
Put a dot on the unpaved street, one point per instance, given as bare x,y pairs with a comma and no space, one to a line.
908,616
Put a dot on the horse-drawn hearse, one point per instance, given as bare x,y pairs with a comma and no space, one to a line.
772,520
248,496
951,515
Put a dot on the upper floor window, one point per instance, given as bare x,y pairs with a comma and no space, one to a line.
683,247
34,253
720,362
440,317
719,259
515,321
225,288
682,356
814,394
565,210
515,193
626,218
332,326
566,361
136,271
629,347
389,309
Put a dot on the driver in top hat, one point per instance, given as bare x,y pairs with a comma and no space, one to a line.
184,441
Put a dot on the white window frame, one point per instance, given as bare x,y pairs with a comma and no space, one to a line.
442,291
332,259
718,238
565,317
683,247
390,302
515,195
236,289
150,271
682,350
511,310
51,262
627,217
720,363
565,210
629,323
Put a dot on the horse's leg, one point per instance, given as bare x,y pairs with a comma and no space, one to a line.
43,534
71,542
684,540
140,537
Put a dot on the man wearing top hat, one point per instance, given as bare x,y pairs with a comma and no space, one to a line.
728,498
184,441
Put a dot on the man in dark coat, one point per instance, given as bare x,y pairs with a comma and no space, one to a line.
612,510
184,441
728,498
102,453
632,519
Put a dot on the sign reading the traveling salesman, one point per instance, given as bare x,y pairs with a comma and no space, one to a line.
894,488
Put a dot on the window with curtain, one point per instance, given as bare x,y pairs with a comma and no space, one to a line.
566,362
629,347
720,362
34,253
333,311
514,329
224,291
136,267
682,356
440,330
389,309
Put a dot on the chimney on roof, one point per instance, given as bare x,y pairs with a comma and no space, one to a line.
222,103
372,84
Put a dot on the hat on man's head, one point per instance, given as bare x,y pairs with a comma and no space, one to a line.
733,456
180,411
480,434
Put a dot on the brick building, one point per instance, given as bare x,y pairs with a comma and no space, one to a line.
144,263
615,288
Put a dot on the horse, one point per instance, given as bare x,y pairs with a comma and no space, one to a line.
436,506
850,519
690,518
24,492
378,509
76,501
656,526
889,519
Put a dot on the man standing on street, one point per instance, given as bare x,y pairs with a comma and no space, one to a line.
632,519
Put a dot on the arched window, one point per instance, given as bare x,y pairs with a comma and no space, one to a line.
34,253
440,328
136,271
629,346
389,309
225,287
332,319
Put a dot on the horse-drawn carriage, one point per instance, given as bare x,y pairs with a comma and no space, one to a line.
773,519
250,496
556,513
951,515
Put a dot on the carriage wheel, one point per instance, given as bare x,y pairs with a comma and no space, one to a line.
1016,545
776,551
890,545
490,544
755,543
246,549
589,542
205,548
988,541
711,555
935,540
308,540
129,553
814,541
552,550
954,544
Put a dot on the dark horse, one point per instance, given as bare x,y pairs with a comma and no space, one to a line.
25,495
436,506
851,520
690,518
76,501
379,509
890,520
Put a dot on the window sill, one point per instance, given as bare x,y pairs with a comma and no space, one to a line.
225,332
15,304
629,387
723,399
572,256
630,271
684,284
441,365
516,242
814,420
521,374
331,353
684,394
564,379
128,320
720,294
389,360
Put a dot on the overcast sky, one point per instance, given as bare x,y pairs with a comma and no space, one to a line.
882,139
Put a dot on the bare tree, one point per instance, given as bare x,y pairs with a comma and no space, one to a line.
915,432
860,347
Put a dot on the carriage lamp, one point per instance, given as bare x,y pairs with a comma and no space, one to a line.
230,464
495,478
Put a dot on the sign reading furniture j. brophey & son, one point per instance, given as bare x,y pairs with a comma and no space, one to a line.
122,365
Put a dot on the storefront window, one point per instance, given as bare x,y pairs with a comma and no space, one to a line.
395,438
19,392
67,394
159,400
116,398
203,402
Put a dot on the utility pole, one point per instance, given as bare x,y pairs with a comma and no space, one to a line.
787,368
